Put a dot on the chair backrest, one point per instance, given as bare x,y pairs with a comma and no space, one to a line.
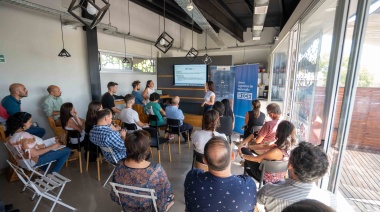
18,156
225,126
149,192
153,119
154,136
128,126
2,133
110,151
198,161
173,125
140,110
58,131
20,173
272,167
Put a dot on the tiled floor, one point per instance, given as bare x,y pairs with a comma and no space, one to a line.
86,193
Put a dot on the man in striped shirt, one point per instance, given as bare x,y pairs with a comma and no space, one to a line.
307,164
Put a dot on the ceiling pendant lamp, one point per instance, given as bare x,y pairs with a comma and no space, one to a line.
193,53
206,58
63,52
94,11
164,41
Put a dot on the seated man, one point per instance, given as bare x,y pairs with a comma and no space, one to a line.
307,164
154,108
128,115
218,189
108,99
12,105
53,103
138,97
103,136
267,134
173,112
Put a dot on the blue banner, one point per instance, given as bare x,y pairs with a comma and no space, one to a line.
245,91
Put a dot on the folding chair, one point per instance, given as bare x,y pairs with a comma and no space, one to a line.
23,163
156,140
174,127
198,162
114,162
134,190
44,186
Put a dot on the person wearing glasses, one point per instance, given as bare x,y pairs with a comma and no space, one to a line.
267,134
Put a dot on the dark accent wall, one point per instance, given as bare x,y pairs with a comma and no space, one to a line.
191,97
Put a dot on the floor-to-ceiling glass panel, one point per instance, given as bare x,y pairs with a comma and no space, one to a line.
358,178
310,79
279,78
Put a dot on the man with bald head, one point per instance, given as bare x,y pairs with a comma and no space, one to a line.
218,189
12,105
53,103
173,112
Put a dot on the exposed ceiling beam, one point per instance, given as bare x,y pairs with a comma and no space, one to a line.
228,13
249,6
172,13
219,18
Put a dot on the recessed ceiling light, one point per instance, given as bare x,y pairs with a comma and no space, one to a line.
330,9
261,10
255,38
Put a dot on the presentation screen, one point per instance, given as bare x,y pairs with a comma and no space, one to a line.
190,75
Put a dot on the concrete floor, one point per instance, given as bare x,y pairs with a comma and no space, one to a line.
86,193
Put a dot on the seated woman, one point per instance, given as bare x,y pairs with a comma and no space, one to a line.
228,111
34,148
70,121
201,137
280,151
253,118
136,171
154,108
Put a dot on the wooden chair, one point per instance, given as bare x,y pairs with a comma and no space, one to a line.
135,192
2,133
130,127
140,110
156,140
58,131
75,148
198,161
174,128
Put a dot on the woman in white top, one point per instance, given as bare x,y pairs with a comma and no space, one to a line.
70,121
209,97
32,147
201,137
149,89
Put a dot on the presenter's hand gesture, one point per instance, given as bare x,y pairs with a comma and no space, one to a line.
203,104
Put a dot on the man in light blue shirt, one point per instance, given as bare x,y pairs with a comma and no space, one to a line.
53,103
138,97
173,112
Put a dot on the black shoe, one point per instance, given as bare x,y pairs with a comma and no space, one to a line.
8,207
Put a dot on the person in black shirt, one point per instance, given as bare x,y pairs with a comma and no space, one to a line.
109,97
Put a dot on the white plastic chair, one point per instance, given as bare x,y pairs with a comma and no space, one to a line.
23,163
114,162
151,191
44,186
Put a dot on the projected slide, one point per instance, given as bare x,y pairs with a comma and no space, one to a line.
190,75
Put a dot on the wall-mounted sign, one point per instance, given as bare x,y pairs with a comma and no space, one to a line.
2,58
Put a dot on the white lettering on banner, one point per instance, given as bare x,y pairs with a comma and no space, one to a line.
244,95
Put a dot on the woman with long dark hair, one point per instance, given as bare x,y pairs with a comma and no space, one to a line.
71,121
149,89
209,96
228,111
36,152
253,118
200,137
280,151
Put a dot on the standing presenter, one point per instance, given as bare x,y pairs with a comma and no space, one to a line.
209,96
